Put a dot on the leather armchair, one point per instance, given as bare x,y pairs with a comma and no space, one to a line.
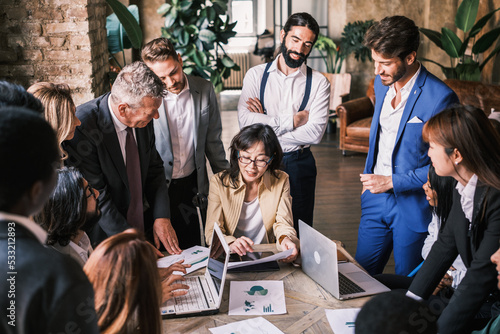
477,94
355,118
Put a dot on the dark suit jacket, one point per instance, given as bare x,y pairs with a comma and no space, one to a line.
207,131
52,293
475,246
410,163
95,151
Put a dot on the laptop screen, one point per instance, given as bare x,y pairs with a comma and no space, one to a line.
216,261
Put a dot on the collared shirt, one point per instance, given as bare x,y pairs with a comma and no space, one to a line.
27,223
390,119
121,131
179,110
83,247
467,196
282,99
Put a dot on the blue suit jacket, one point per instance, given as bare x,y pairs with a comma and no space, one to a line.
410,163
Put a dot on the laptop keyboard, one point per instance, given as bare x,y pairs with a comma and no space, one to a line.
348,287
195,298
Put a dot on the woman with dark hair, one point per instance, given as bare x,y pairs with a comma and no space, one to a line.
71,209
464,145
251,200
128,292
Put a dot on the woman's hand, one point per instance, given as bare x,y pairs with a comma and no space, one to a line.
172,287
241,246
178,266
286,244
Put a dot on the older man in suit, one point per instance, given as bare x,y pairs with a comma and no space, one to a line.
187,132
114,148
394,211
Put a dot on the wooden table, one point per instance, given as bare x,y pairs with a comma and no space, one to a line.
306,302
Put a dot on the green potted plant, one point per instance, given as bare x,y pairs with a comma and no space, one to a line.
198,30
464,65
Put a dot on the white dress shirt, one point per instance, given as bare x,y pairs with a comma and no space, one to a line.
179,111
467,196
121,132
390,119
282,98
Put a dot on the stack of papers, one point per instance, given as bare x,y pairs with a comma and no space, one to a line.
196,256
250,326
275,257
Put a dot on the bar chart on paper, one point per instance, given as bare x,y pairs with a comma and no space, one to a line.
267,309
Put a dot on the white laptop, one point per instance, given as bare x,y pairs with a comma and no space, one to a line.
205,292
343,280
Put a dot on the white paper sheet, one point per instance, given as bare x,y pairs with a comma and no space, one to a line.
342,321
196,256
256,298
249,326
275,257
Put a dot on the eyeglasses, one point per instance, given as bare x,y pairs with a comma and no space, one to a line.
257,162
92,192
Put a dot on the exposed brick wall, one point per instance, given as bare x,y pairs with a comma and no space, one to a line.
57,41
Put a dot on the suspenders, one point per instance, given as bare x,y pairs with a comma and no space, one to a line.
306,94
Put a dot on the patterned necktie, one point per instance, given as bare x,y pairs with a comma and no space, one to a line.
135,216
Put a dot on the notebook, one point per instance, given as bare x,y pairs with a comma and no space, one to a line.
343,280
205,292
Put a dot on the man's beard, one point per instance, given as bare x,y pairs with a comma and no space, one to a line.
289,61
396,76
91,219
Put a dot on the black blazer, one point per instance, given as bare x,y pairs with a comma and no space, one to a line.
50,290
96,152
475,243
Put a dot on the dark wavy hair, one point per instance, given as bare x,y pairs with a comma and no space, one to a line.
66,210
302,20
248,136
443,186
393,36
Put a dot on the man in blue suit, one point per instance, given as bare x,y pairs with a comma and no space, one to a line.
394,210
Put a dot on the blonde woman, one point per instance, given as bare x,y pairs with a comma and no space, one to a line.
59,110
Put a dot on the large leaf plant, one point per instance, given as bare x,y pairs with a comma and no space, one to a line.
465,65
198,29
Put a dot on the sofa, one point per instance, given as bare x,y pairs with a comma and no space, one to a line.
355,116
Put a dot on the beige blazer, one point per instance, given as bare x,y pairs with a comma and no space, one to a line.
225,203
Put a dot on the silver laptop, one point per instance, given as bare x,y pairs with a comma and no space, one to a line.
205,292
343,280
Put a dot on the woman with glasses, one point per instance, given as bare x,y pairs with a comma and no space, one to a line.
251,200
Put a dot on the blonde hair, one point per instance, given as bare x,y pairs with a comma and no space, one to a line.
59,109
126,281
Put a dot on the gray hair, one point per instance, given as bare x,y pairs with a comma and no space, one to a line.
134,82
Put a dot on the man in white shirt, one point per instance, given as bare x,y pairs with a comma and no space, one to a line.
115,150
394,211
293,100
187,133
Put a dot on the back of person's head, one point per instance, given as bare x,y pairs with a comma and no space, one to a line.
395,313
29,156
443,186
394,36
123,272
468,130
134,82
59,107
245,139
302,20
159,49
15,95
65,213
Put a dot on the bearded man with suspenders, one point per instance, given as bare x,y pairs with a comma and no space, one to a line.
293,99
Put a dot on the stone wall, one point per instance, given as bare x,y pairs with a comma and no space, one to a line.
57,41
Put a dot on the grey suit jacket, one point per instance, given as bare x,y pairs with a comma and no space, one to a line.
207,141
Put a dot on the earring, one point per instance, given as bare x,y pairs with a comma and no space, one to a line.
456,163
